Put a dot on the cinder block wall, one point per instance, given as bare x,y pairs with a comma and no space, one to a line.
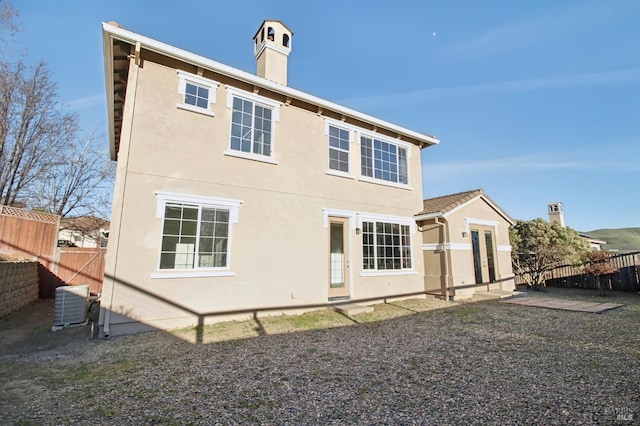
18,285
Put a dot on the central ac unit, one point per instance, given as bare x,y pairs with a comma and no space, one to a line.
71,306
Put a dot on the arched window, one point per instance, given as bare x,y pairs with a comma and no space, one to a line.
271,34
262,35
285,40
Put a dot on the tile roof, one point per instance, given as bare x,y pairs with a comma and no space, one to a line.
446,203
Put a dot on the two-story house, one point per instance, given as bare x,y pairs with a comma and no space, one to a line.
237,195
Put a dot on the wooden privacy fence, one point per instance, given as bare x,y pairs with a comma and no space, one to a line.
627,277
34,235
28,233
81,266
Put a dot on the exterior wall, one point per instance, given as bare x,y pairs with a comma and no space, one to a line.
460,254
18,285
280,244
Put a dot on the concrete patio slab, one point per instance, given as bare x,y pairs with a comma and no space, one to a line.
566,305
353,309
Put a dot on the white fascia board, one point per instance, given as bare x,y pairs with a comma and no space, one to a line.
500,212
111,31
428,216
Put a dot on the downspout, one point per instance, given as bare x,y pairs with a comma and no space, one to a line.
134,65
446,255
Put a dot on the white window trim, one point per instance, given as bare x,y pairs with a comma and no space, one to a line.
233,92
369,179
250,156
329,122
202,201
339,174
183,78
382,138
400,220
388,272
349,214
481,222
401,144
448,246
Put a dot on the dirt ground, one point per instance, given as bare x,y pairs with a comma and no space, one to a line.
412,362
29,330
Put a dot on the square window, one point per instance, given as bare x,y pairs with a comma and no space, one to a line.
197,92
386,245
193,232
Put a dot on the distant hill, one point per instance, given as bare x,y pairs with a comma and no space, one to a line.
623,239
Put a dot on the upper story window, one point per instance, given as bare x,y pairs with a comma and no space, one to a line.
196,95
251,127
383,160
197,92
339,140
253,120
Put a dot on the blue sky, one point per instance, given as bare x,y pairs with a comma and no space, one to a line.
534,101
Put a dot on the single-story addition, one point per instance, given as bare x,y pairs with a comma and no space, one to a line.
465,245
237,195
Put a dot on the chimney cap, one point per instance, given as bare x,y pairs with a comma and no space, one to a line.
271,20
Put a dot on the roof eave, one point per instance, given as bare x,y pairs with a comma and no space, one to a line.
428,216
107,48
111,31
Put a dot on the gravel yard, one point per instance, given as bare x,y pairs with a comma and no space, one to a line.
410,362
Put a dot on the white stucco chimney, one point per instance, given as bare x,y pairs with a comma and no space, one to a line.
556,215
271,47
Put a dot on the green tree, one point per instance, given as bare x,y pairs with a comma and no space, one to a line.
539,246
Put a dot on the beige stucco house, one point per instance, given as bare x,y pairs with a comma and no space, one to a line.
465,245
237,195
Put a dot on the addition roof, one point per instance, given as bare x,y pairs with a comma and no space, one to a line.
444,205
120,44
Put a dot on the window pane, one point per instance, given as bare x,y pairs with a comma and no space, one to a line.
173,211
167,260
169,243
222,216
189,228
222,230
171,227
206,229
208,215
191,89
206,245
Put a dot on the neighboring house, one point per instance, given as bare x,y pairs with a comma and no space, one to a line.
465,244
84,231
236,194
556,215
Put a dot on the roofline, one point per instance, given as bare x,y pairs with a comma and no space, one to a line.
501,212
111,32
428,216
107,51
